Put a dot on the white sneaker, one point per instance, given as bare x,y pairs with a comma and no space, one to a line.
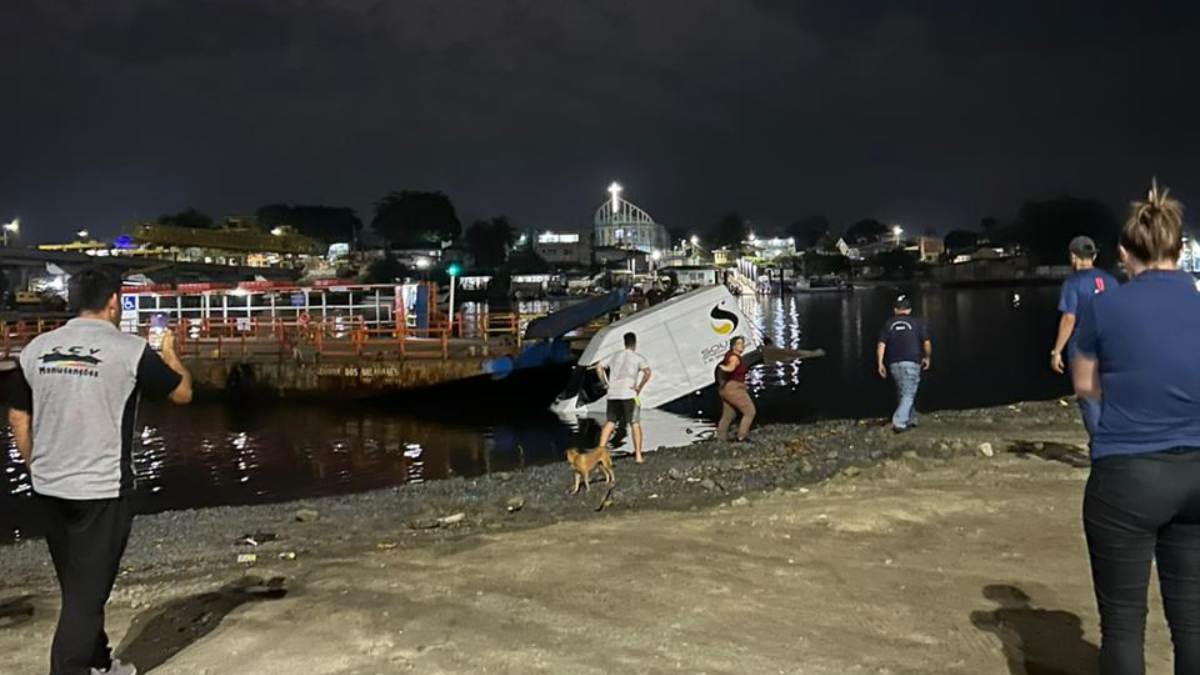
117,668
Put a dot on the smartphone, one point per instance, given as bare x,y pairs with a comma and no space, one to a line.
158,328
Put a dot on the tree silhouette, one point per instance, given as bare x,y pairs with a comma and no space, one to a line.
896,263
330,224
489,241
385,270
1046,227
677,234
958,240
731,230
866,231
189,217
808,231
526,261
411,216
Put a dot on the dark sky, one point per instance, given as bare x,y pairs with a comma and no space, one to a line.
923,113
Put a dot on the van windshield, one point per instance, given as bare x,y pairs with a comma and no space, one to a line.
585,383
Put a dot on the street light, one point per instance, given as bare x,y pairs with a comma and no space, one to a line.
82,234
453,269
695,240
277,231
897,230
14,227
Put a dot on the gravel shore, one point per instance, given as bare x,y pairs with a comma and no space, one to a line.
821,549
706,473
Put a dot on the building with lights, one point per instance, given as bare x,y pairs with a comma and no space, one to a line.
563,248
771,248
236,244
619,223
1189,255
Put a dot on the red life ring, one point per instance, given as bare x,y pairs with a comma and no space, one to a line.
305,318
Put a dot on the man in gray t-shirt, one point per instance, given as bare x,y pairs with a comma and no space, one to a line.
73,403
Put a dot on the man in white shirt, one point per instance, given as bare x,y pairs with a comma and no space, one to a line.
628,373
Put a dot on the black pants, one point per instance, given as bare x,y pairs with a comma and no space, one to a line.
1136,509
86,539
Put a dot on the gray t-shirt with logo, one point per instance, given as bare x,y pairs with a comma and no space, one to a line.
81,384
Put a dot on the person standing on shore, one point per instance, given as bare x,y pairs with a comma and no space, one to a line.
628,374
1077,292
1135,356
735,398
72,413
904,350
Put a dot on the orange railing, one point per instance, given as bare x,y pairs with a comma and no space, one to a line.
16,334
332,337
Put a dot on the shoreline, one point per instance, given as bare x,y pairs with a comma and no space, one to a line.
686,478
822,549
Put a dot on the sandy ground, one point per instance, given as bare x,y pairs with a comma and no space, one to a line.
957,563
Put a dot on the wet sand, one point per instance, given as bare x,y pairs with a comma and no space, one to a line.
830,548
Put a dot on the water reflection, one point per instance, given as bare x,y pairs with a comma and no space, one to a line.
211,454
987,350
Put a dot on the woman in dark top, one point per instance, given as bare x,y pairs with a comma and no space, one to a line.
735,398
1138,354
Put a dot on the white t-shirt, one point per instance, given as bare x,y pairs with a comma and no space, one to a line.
623,372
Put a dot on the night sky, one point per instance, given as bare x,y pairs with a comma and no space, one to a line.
931,114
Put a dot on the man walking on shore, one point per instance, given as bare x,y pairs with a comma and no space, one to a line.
904,350
1077,293
627,377
72,414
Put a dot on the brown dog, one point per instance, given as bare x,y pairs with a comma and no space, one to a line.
582,463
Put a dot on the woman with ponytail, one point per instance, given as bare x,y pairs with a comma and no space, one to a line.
1138,354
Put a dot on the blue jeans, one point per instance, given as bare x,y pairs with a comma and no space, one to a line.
907,376
1090,412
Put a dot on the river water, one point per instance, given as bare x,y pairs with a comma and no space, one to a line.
991,346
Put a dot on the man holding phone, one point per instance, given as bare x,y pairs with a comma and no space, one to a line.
72,413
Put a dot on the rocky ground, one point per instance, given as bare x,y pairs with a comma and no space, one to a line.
830,548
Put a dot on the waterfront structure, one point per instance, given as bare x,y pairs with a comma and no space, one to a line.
694,276
563,248
619,223
418,257
770,249
237,243
928,250
688,254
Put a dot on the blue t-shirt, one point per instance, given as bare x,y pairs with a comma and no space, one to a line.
1077,293
902,336
1146,337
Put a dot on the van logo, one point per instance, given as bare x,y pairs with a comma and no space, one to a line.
723,322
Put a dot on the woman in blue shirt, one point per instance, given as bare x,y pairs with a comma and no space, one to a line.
1138,354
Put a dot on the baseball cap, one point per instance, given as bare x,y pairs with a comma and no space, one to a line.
902,302
1083,247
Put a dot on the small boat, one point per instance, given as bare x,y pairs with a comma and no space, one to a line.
822,284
